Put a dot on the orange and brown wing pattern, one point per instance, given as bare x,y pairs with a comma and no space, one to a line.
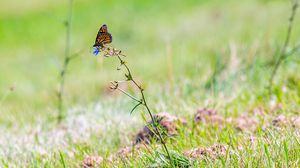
103,29
103,37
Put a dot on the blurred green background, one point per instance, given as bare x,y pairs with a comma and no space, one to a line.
188,54
167,43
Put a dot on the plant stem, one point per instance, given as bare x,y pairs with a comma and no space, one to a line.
67,59
283,55
127,94
156,128
144,103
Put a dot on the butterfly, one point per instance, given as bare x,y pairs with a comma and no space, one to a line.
103,37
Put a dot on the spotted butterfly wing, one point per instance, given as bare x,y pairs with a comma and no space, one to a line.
103,37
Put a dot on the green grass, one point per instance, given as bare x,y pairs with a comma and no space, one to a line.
188,54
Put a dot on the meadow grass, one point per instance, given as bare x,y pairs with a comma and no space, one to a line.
187,55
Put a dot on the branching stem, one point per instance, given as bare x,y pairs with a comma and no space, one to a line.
145,104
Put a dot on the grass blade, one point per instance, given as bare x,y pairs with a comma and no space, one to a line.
268,155
286,152
62,159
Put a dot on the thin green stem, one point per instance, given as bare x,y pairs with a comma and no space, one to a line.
137,105
126,93
67,59
144,102
283,55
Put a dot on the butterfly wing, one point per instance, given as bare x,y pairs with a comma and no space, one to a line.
103,37
103,29
106,38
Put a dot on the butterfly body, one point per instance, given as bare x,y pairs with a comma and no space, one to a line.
103,37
